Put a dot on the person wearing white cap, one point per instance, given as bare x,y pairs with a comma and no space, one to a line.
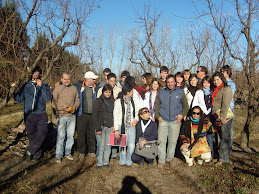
86,135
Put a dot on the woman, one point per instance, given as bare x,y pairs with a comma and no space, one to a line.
125,119
146,80
191,89
192,131
151,97
179,80
103,124
221,99
146,130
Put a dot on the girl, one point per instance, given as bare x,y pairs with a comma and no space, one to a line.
103,124
191,89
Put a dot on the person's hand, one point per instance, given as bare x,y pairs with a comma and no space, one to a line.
99,132
160,119
117,134
39,82
142,143
65,108
113,129
184,118
133,123
179,118
223,122
184,147
153,119
13,84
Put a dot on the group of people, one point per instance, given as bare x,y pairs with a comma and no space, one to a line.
186,109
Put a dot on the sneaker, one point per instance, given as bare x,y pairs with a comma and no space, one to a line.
81,156
107,166
190,163
160,165
69,157
58,160
28,155
199,162
98,167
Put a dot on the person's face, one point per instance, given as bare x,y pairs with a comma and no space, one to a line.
155,85
145,115
107,93
225,73
91,81
170,83
206,84
199,73
66,79
36,75
112,82
194,82
179,79
164,74
123,79
186,76
217,81
144,80
130,94
196,113
105,75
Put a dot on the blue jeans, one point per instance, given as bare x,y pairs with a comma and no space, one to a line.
210,141
66,126
167,130
125,157
225,142
103,148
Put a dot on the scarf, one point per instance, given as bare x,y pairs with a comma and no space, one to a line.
128,113
192,90
193,120
206,91
215,93
152,107
141,91
144,124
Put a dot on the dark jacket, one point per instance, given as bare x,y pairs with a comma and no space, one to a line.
102,113
150,132
34,97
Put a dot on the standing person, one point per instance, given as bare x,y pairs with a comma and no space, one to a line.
124,75
65,100
146,80
103,124
112,82
163,74
186,76
221,99
152,96
201,72
191,89
179,80
227,72
35,93
106,72
171,108
146,130
85,128
125,119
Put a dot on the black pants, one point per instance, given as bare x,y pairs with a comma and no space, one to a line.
86,142
37,130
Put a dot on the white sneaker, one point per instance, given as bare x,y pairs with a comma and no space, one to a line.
69,157
58,160
199,162
190,163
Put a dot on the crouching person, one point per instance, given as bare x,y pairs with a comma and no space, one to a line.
146,130
193,135
66,101
103,124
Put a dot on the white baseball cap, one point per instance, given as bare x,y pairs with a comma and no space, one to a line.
90,75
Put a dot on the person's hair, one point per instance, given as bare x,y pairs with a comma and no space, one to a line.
125,89
192,76
204,69
155,80
141,110
125,73
130,81
110,75
221,76
227,69
65,72
107,70
202,116
148,77
107,87
36,69
179,74
164,68
170,76
208,79
186,70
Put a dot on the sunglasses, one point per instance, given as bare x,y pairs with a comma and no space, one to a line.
197,71
196,113
145,112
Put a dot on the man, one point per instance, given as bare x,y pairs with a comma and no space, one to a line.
227,72
163,74
35,93
124,75
171,108
106,72
201,73
85,129
111,80
65,101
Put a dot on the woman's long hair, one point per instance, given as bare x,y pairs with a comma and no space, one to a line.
208,79
125,89
155,80
105,88
130,81
202,115
221,76
148,77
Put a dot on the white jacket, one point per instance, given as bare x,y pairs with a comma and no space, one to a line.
198,100
188,95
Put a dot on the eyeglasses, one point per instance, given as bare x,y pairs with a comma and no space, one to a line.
196,113
145,112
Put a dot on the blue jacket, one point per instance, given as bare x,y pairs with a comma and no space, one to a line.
232,85
150,132
171,103
34,97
